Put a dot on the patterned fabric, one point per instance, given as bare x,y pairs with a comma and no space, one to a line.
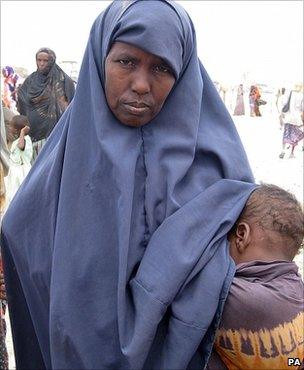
3,351
37,146
2,191
292,134
262,323
254,96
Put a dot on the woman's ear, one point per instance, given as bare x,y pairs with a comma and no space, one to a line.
242,236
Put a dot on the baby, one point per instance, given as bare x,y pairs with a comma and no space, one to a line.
21,152
262,322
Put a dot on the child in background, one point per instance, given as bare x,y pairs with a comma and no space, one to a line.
21,152
262,322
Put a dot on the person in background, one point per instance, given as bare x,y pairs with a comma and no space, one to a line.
254,97
239,109
281,100
21,152
6,115
10,88
293,119
44,96
262,322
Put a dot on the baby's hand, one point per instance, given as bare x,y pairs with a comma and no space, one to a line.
25,130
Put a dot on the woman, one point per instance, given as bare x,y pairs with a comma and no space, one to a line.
44,96
239,109
254,97
123,263
11,80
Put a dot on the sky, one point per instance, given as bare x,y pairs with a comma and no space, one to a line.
259,40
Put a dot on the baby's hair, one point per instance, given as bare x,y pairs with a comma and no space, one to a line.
275,209
19,121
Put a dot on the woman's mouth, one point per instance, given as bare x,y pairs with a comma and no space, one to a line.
136,108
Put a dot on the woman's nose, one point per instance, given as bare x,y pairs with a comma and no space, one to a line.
141,83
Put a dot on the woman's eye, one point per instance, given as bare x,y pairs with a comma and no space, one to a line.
125,62
163,69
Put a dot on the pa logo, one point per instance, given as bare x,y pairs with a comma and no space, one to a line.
294,361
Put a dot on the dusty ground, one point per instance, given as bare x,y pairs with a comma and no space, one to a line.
261,137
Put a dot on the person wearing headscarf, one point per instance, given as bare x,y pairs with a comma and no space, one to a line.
44,96
239,109
254,96
11,80
115,246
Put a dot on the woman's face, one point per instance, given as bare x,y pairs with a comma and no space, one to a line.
43,62
137,84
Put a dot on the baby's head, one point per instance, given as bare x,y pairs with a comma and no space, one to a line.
270,227
17,123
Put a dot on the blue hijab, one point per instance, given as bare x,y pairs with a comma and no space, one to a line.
115,246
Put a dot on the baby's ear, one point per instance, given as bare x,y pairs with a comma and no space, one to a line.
242,236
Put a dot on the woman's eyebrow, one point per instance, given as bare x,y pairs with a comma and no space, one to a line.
123,55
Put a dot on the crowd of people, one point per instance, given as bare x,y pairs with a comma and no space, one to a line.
134,235
288,107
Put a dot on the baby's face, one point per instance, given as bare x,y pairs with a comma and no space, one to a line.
14,131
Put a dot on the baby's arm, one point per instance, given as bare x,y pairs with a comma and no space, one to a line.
21,141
